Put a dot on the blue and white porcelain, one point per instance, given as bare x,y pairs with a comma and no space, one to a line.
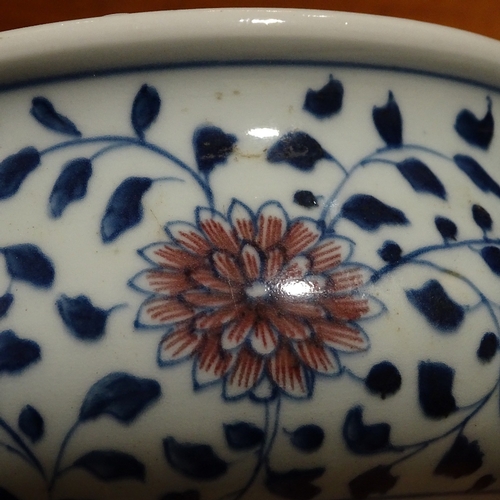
249,254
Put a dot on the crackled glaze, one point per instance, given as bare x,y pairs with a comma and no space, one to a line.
249,280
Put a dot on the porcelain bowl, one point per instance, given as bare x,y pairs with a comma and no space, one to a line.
249,254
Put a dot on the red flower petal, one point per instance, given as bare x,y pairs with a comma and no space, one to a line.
236,332
296,308
167,282
213,362
227,268
251,262
159,311
288,373
329,254
205,277
245,373
242,222
263,339
346,279
274,263
301,235
340,336
178,345
348,308
217,318
296,269
288,326
208,299
189,238
170,256
218,231
317,357
271,226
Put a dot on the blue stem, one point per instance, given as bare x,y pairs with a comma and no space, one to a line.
371,159
125,141
17,439
57,466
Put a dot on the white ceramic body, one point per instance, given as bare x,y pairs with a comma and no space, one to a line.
356,357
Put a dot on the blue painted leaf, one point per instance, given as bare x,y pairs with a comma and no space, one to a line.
491,255
435,389
477,174
439,310
295,484
16,354
446,227
298,149
483,482
6,495
365,439
383,379
378,480
243,436
462,459
212,147
14,170
182,495
31,423
421,178
120,395
388,121
482,217
369,213
197,461
305,199
111,465
6,301
327,101
84,320
124,209
28,263
475,131
390,252
488,347
307,438
44,112
70,186
145,109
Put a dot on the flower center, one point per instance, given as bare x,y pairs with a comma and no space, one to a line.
257,290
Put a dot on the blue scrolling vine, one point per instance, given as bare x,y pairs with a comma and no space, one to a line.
264,304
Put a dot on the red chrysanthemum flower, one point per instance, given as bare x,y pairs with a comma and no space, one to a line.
254,299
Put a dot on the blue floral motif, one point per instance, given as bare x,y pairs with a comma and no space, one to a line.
263,305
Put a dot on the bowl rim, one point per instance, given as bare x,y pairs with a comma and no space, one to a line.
123,42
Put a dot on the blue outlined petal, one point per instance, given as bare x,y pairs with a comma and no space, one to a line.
188,236
243,220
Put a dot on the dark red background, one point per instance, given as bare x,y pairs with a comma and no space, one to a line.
480,16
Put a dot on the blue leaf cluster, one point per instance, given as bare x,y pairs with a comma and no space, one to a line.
197,461
327,101
369,213
145,109
295,484
17,354
44,112
124,209
110,465
436,306
26,262
298,149
119,395
435,389
70,186
476,131
84,320
15,168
